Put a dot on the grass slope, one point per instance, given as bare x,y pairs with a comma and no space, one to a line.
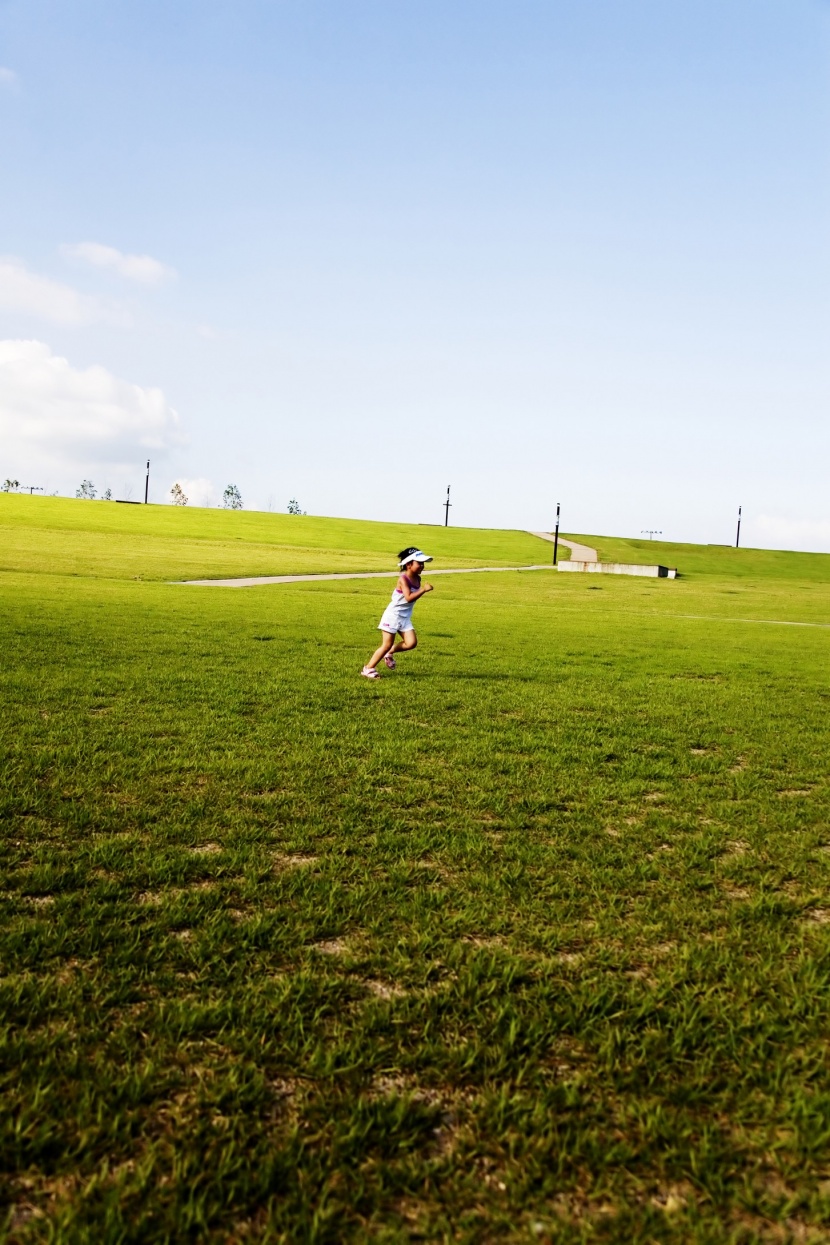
804,569
105,540
529,941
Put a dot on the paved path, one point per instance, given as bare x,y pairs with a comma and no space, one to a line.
580,553
257,580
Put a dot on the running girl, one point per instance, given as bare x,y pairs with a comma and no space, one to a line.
397,617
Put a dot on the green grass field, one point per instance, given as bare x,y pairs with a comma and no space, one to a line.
529,941
105,540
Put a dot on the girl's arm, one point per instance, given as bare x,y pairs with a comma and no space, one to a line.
411,594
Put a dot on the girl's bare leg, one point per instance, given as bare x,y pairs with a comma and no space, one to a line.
385,645
410,640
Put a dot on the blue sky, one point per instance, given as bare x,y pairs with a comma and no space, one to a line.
354,252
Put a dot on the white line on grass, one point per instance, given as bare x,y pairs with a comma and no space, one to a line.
256,581
770,622
658,614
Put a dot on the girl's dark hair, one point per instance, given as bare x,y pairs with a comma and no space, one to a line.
405,554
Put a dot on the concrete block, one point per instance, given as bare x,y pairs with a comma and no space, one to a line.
619,568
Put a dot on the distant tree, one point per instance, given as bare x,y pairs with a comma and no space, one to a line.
107,495
10,486
294,507
177,495
86,490
232,498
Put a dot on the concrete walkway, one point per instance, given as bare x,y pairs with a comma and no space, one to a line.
579,553
258,580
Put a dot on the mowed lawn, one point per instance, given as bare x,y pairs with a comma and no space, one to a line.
529,941
172,543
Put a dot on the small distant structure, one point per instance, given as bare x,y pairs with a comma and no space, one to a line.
619,568
584,558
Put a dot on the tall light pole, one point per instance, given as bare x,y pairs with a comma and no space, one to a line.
147,483
556,536
738,535
447,505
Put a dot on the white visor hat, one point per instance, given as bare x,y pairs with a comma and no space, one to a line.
417,556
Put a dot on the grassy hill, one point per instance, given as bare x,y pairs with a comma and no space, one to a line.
54,535
717,560
528,941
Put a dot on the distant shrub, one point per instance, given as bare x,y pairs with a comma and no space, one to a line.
177,495
10,486
294,507
86,490
232,498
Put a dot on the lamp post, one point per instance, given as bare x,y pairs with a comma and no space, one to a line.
147,483
447,505
556,536
738,534
650,532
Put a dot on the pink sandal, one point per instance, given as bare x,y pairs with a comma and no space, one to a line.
369,673
390,661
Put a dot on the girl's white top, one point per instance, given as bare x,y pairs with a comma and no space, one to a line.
398,614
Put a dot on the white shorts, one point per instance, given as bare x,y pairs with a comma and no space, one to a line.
396,619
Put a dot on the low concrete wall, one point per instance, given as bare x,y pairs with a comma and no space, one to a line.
620,568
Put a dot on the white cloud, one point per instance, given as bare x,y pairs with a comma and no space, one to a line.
199,492
141,268
8,79
784,533
25,292
52,414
